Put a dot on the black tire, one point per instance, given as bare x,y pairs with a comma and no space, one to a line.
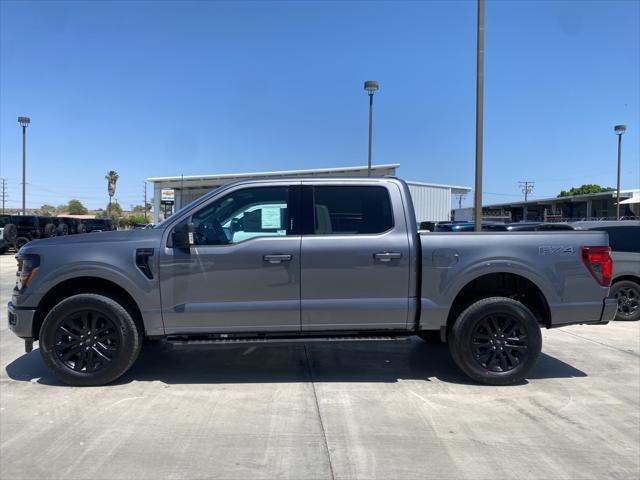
496,341
49,230
10,233
21,242
82,228
430,336
63,229
106,356
627,292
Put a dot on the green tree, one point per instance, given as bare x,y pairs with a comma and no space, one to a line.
112,178
75,207
133,220
114,210
584,189
47,210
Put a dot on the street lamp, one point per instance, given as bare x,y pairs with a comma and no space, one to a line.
370,87
619,129
24,121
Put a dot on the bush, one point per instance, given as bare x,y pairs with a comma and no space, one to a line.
135,220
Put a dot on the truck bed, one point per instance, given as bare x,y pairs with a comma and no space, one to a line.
550,262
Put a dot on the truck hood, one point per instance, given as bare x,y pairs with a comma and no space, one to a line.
122,236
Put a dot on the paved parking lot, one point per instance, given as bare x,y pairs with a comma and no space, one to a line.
380,410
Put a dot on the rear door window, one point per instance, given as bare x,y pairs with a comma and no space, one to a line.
351,210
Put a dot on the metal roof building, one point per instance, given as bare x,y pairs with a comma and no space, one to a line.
589,206
432,202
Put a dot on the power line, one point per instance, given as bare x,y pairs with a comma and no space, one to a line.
460,197
527,188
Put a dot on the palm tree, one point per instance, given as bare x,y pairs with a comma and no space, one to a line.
111,177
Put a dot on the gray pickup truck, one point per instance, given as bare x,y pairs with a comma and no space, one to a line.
305,260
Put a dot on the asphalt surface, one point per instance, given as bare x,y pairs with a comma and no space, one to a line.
397,410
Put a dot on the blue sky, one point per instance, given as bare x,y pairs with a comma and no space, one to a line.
170,88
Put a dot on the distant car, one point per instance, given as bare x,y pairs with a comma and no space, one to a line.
624,239
98,224
49,226
455,227
8,233
61,226
525,227
75,225
29,227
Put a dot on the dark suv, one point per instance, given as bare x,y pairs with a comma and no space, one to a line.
75,225
29,227
98,224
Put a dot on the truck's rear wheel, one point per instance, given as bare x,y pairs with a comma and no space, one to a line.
89,339
496,341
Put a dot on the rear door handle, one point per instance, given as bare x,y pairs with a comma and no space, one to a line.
277,258
386,256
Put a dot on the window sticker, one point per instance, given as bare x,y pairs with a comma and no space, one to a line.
271,218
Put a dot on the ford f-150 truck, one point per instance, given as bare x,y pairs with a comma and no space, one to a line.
306,260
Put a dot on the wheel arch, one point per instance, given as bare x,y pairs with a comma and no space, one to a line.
626,277
85,284
503,284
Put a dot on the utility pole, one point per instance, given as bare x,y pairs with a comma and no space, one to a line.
460,197
619,129
526,188
4,193
145,202
24,122
477,203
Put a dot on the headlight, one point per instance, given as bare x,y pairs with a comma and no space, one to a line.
27,269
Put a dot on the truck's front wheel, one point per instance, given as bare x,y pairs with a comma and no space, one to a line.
89,339
496,341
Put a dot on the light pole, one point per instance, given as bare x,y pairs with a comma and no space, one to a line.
477,201
370,86
24,121
619,129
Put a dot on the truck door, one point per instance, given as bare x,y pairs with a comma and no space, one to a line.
243,271
355,263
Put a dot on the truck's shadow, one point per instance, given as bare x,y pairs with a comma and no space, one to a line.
343,362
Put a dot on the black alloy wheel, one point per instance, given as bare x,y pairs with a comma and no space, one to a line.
499,342
496,341
87,341
627,294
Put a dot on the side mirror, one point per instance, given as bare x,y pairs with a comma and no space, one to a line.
236,225
182,235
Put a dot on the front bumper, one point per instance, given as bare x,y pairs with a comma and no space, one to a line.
21,321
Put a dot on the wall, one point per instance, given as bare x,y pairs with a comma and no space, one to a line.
431,203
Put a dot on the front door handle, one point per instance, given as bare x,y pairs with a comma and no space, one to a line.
277,258
386,256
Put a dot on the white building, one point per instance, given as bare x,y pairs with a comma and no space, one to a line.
432,202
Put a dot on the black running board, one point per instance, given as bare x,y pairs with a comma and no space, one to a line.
220,340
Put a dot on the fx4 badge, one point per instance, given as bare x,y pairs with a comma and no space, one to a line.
556,250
